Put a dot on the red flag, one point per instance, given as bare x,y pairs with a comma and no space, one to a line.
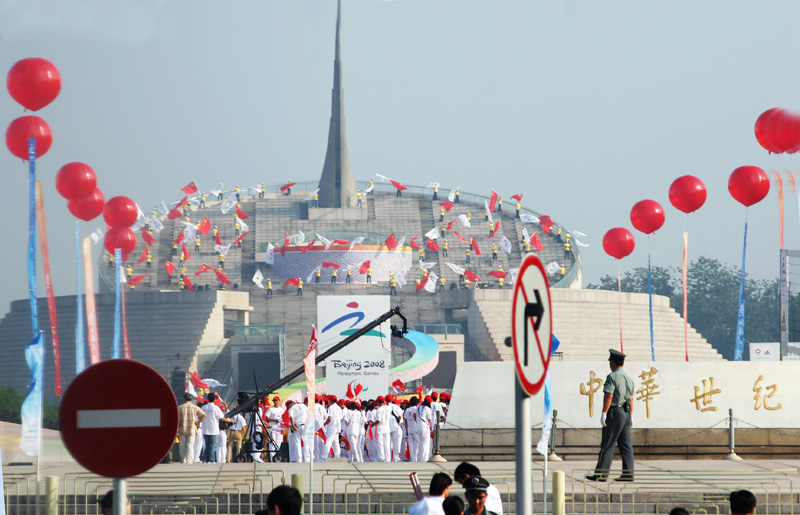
459,236
399,386
328,264
179,238
204,226
287,186
285,418
188,283
397,185
422,283
343,442
350,394
472,277
517,197
492,201
241,214
407,454
341,242
364,266
497,273
144,255
494,231
196,381
203,268
418,390
169,267
133,281
319,432
359,387
293,281
475,246
546,222
186,255
218,240
391,242
190,188
536,242
447,206
222,277
450,225
173,214
431,244
414,244
147,237
240,238
182,202
310,244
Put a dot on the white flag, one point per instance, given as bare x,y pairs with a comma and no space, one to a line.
139,222
270,260
258,278
452,196
227,205
432,185
122,277
190,387
525,235
506,244
430,286
433,233
552,268
311,196
243,226
455,268
427,266
255,190
488,213
578,233
300,238
401,280
464,220
513,273
383,178
217,190
356,241
163,209
222,249
311,275
189,231
528,218
213,383
96,236
324,240
156,224
579,243
401,242
368,190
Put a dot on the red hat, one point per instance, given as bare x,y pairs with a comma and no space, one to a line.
428,399
331,398
305,400
317,398
380,399
340,401
276,398
434,396
289,402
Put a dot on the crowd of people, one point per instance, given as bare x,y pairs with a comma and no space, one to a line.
385,429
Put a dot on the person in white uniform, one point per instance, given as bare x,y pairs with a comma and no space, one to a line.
320,416
382,417
298,414
353,419
333,425
274,417
410,417
424,426
396,428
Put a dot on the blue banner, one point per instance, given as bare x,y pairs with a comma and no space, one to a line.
739,350
650,290
32,235
31,410
80,351
115,346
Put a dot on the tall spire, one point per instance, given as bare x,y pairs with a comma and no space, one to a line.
337,186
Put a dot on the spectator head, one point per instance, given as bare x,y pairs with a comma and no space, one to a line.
211,396
743,502
476,493
283,500
440,485
465,470
453,505
188,397
678,511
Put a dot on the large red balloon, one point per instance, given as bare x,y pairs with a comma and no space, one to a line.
33,82
23,128
123,239
647,216
618,242
120,212
784,131
687,193
762,130
75,181
88,208
748,185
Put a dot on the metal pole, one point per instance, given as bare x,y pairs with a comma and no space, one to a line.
559,489
731,443
552,444
436,456
120,497
522,416
52,495
297,482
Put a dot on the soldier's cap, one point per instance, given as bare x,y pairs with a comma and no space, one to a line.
615,355
476,484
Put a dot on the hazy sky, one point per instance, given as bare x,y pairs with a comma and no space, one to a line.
586,107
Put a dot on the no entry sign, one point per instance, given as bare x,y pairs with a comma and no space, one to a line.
531,324
118,418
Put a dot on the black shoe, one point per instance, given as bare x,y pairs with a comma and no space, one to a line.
594,477
625,478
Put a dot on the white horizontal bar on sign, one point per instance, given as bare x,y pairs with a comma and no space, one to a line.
118,418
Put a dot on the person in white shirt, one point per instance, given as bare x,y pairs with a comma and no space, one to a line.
274,417
384,444
353,418
424,430
372,432
437,491
320,416
297,424
396,429
255,428
493,501
333,425
410,417
235,435
210,428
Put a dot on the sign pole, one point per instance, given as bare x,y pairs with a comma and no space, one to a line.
120,496
522,414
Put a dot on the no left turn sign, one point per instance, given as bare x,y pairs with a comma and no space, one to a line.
531,324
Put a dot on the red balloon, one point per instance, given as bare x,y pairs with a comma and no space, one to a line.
784,131
88,208
748,185
618,242
687,193
33,82
647,216
23,128
75,181
123,239
120,212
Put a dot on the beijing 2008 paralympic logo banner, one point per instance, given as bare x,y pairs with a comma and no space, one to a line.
366,360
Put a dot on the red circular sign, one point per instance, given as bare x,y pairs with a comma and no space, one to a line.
118,418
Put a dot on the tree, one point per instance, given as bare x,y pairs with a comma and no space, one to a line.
713,300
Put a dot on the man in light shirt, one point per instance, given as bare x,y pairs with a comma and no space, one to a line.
298,413
493,501
274,416
210,427
333,426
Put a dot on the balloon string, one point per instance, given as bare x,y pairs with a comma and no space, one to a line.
685,289
619,297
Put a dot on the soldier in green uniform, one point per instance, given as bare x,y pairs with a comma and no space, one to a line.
616,420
